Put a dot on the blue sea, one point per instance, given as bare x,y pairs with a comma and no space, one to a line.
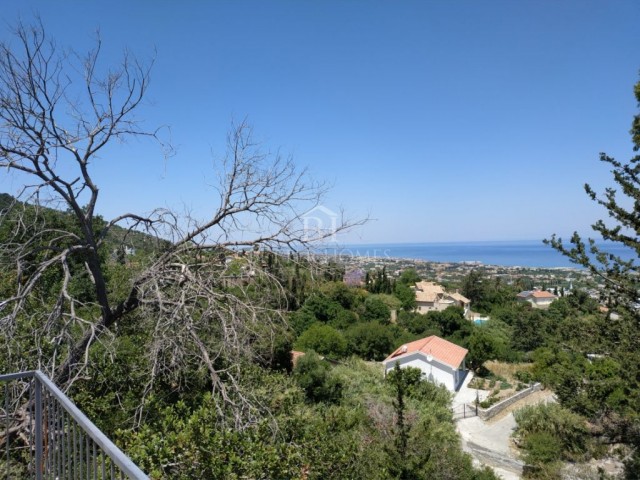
504,253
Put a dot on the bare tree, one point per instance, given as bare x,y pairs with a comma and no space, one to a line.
57,113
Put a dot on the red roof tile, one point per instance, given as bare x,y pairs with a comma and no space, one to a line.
536,294
542,294
295,356
441,350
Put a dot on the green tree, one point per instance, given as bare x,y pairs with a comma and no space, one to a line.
370,341
530,331
375,308
511,312
344,319
323,308
482,347
341,293
406,295
314,376
399,465
550,433
472,287
452,322
61,114
409,277
419,324
379,282
619,275
486,294
323,339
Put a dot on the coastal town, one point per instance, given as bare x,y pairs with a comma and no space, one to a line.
557,279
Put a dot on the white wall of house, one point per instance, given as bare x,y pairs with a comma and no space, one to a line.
440,305
542,302
434,371
437,306
424,307
445,303
538,302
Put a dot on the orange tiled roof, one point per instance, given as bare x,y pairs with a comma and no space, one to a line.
542,294
536,294
295,356
459,297
428,291
432,292
441,350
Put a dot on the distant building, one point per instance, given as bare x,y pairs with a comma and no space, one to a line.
355,277
605,310
433,297
295,355
537,298
440,361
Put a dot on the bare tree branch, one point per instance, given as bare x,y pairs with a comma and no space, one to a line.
51,132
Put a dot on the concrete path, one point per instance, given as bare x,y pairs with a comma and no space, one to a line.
490,442
468,395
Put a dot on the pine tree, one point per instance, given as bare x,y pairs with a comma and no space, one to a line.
621,279
620,276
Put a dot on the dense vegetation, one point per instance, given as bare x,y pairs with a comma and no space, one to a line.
317,420
178,427
321,419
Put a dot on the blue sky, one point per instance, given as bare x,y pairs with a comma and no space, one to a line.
442,120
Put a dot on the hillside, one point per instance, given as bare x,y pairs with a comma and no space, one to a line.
117,237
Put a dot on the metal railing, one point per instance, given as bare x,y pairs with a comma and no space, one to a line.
45,436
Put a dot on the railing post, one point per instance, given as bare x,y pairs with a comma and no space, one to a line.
7,428
38,427
477,401
54,421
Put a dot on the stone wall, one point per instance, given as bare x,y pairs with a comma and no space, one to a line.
493,410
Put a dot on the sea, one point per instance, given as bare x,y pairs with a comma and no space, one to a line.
523,253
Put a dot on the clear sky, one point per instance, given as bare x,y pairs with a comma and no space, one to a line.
443,120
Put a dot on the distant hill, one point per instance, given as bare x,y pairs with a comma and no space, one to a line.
6,201
117,236
140,241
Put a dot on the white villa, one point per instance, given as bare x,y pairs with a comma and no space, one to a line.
433,297
441,361
537,298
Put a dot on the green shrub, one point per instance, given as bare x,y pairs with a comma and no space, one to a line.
542,448
371,341
555,421
489,401
375,308
315,378
477,382
524,376
323,339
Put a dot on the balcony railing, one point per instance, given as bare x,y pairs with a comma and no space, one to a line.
45,436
